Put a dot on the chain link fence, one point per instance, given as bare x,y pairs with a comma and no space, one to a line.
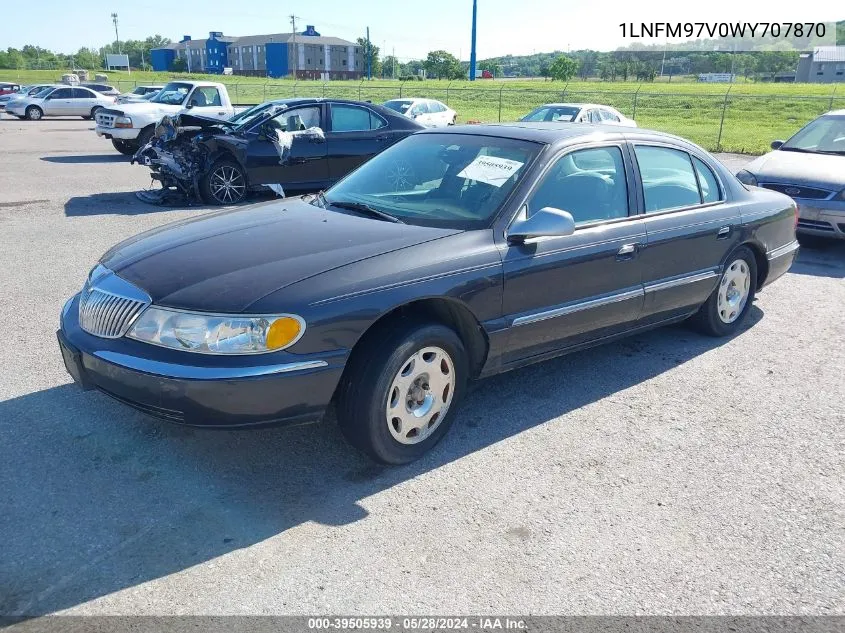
723,122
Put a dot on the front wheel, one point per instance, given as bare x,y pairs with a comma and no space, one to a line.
399,392
728,306
34,113
225,183
126,148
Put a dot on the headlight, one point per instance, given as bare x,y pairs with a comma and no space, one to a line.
746,177
123,121
217,333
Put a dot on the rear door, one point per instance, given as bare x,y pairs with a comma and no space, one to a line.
356,134
690,227
84,101
560,292
60,102
305,167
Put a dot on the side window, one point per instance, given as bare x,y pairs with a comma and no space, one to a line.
82,93
297,119
421,108
354,119
205,96
607,115
595,116
62,93
707,181
668,179
588,183
436,106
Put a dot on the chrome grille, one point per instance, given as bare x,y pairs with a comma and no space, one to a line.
108,305
106,120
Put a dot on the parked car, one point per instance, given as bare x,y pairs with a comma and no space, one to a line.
810,168
138,93
426,112
291,145
579,113
23,92
103,89
7,88
131,125
59,101
536,240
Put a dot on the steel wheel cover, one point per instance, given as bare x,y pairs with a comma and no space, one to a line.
734,288
227,184
419,395
35,114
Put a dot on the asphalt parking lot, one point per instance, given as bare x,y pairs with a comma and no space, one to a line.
667,474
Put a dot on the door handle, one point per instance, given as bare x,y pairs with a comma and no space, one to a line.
627,251
723,233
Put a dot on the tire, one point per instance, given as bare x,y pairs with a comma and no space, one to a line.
144,137
725,310
34,113
224,183
94,111
127,148
387,390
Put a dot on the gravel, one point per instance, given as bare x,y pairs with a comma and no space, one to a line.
666,474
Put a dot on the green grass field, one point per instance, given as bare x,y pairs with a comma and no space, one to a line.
755,113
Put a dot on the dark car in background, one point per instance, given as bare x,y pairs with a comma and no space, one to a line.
810,168
103,89
531,241
288,145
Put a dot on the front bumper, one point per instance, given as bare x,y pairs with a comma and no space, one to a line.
821,217
17,111
122,133
200,390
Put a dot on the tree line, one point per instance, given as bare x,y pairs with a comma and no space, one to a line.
35,57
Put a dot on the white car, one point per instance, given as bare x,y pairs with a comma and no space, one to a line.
138,94
25,91
59,101
427,112
579,113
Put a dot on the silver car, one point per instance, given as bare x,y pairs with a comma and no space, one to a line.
810,168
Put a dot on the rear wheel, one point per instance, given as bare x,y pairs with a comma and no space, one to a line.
94,111
124,147
399,392
225,183
728,306
34,113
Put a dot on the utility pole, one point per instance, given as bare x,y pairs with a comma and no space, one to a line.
295,52
394,62
369,56
116,36
472,51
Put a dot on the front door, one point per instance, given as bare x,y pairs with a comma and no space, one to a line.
356,134
563,291
691,229
305,166
59,103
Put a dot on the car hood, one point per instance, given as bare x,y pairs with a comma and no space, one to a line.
826,171
147,108
229,260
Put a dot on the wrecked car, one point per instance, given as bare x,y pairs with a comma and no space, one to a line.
290,146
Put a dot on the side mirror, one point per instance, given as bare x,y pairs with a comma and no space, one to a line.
777,144
547,222
189,106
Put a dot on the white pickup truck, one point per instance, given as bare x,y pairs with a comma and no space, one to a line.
131,125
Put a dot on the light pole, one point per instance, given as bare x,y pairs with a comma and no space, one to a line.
472,51
116,37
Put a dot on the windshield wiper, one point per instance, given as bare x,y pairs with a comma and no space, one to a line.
798,149
366,209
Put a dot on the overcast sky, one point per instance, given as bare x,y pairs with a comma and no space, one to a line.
412,27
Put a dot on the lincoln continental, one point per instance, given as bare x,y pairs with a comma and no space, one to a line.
453,255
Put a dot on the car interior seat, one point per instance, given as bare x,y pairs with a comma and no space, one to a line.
198,100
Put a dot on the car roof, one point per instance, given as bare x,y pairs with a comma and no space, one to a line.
835,113
574,105
553,132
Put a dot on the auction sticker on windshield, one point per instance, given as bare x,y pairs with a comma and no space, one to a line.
490,170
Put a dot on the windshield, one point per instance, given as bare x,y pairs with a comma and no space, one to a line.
42,93
553,113
173,93
399,105
825,135
445,180
242,119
